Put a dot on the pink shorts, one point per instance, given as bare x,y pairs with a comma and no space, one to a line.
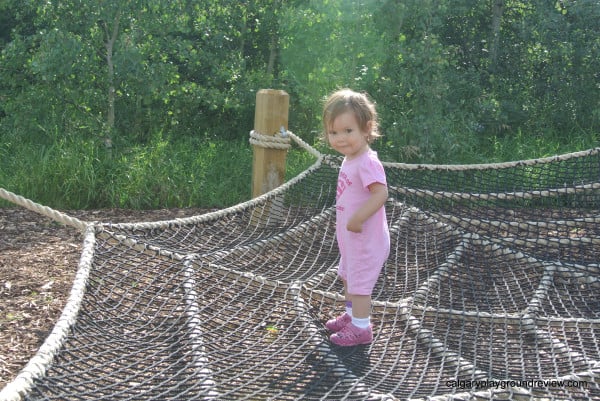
361,262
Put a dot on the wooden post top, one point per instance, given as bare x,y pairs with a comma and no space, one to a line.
271,113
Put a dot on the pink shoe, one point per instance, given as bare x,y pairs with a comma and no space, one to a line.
351,335
335,325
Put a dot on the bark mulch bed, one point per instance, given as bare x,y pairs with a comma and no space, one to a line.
38,261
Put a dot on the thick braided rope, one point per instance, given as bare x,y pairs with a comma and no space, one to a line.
240,206
486,166
38,365
304,145
277,141
281,141
44,210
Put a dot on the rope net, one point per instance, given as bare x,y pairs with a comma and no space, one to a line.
492,290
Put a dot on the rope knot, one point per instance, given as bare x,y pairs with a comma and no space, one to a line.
280,140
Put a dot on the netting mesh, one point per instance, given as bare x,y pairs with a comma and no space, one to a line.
492,290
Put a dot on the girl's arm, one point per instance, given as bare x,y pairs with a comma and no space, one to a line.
379,195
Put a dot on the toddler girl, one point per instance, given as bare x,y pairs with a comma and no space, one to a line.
350,125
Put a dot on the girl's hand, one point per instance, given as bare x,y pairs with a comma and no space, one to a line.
354,225
379,194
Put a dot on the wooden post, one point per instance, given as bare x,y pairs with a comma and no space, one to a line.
268,166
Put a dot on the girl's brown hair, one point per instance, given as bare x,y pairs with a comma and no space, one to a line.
345,100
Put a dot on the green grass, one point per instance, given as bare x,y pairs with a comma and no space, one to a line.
521,146
159,174
187,172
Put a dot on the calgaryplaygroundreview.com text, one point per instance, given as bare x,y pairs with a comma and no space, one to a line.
504,384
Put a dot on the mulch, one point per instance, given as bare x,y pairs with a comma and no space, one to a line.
38,262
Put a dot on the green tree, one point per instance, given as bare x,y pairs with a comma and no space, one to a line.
417,80
452,79
324,46
121,71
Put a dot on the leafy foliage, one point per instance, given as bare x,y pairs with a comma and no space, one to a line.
92,92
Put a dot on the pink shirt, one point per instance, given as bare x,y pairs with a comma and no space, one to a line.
362,254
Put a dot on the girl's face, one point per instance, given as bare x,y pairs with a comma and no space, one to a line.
346,137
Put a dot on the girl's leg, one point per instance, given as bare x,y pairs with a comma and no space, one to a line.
341,321
348,298
361,305
361,311
358,330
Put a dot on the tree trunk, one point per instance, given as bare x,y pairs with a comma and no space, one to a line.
111,38
274,39
497,11
272,55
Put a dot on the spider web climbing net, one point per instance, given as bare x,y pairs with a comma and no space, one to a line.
492,290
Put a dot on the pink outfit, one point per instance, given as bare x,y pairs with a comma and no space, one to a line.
362,254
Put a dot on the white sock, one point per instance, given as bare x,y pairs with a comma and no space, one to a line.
349,307
361,323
